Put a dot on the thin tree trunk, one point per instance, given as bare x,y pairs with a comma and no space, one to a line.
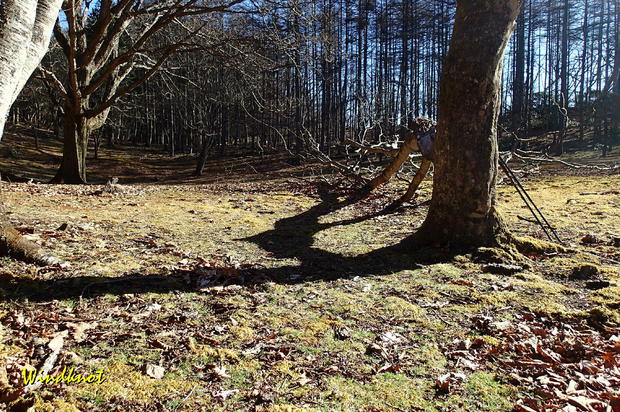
202,157
582,80
519,76
564,64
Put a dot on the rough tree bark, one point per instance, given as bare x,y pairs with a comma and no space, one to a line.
462,211
25,31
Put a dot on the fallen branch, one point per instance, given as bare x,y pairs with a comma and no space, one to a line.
526,158
343,169
55,345
415,183
14,245
410,145
370,149
607,192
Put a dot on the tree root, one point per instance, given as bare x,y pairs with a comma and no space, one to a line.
498,245
516,249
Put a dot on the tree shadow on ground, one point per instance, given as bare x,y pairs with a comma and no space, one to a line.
291,238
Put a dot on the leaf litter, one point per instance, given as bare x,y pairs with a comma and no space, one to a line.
239,337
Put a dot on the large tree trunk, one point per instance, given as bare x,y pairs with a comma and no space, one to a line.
25,30
73,167
462,211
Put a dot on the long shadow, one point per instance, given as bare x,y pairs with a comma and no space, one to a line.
291,238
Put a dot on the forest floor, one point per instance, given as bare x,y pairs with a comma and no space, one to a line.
262,287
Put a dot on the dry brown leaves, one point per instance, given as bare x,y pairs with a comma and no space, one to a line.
565,366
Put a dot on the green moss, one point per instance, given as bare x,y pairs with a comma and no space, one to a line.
129,385
428,360
396,306
484,393
602,314
292,325
395,390
531,246
244,373
494,255
608,296
242,334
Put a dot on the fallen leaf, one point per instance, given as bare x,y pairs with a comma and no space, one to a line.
391,338
79,329
223,395
154,371
220,372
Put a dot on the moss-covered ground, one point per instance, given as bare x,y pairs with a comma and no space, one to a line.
282,295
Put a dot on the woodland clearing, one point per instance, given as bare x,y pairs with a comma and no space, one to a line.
260,287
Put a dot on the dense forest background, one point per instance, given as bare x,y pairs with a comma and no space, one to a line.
305,75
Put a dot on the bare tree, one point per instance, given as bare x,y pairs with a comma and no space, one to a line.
103,47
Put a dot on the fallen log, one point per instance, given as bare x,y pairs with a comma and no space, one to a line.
14,245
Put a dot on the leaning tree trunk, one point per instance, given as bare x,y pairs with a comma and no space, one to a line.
201,160
410,145
462,211
25,30
415,128
415,183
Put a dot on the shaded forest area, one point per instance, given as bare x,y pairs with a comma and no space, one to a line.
306,76
265,228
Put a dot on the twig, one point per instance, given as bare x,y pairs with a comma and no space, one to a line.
562,162
370,149
185,399
526,219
